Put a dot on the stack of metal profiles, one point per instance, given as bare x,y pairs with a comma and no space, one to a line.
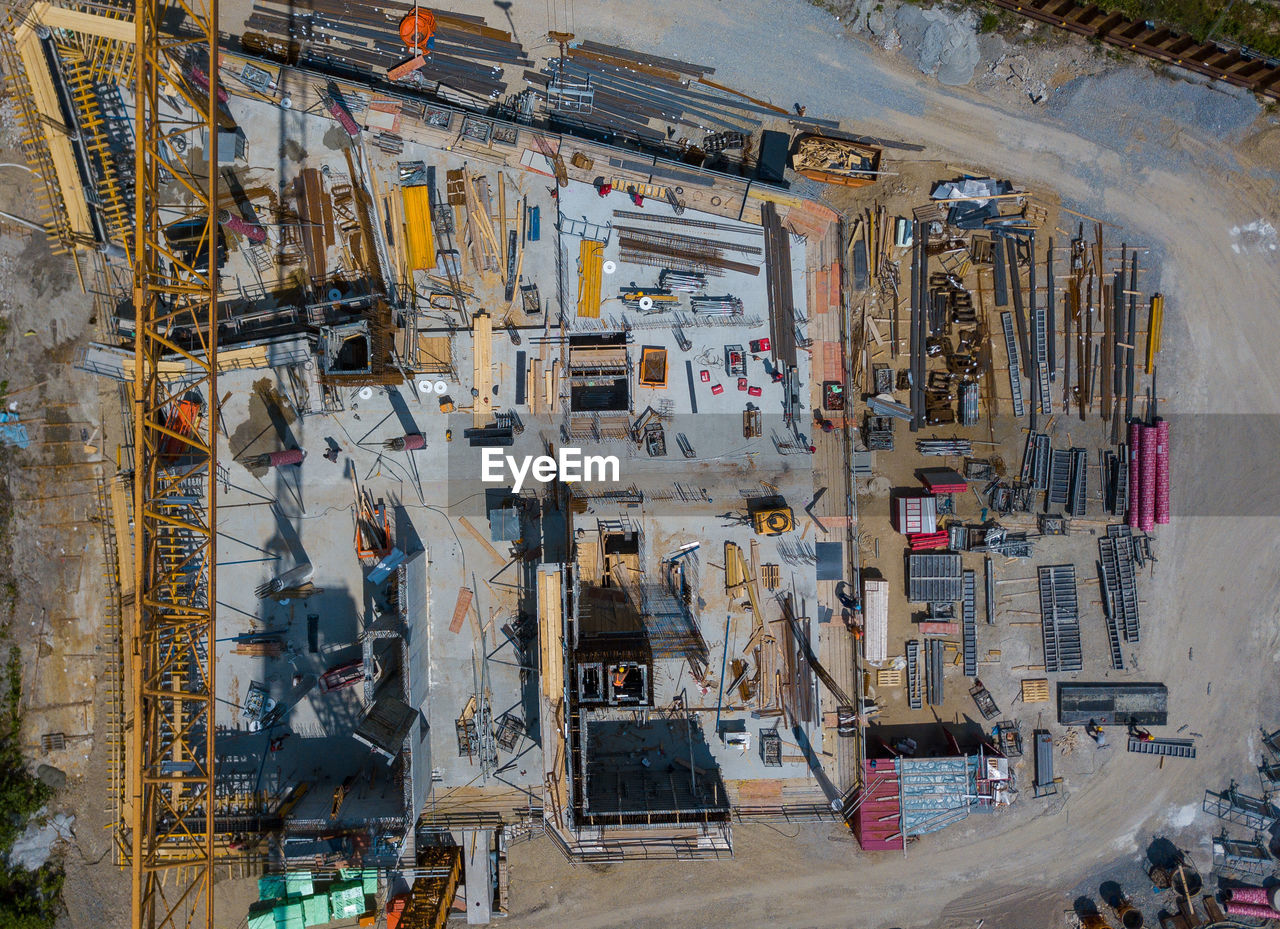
364,39
630,92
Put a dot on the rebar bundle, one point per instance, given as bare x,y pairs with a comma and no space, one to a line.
944,447
728,305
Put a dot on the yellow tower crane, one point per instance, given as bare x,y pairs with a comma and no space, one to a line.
171,838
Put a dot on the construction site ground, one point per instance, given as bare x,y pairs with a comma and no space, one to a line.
1175,179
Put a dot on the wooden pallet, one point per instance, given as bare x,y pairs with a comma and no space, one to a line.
889,677
1035,690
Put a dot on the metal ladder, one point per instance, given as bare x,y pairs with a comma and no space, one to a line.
1015,372
914,700
968,609
1040,325
1172,748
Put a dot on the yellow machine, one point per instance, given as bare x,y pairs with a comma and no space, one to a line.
773,521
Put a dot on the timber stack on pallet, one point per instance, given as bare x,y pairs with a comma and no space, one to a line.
468,57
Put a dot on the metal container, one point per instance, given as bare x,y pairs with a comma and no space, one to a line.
1094,921
1130,915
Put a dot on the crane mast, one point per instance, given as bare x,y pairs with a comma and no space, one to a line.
171,837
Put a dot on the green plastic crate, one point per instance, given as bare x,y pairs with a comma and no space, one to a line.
271,887
289,915
315,909
298,884
369,880
346,900
262,917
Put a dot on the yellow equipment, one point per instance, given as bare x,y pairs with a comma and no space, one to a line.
773,521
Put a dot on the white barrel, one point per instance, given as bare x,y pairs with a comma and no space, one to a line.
440,387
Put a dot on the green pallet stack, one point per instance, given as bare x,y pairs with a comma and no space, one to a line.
315,909
346,899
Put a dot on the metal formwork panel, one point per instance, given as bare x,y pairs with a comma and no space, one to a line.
1059,477
1120,584
989,573
914,700
1122,483
1173,748
1060,619
934,653
1015,372
1039,324
934,577
968,611
1044,782
1077,500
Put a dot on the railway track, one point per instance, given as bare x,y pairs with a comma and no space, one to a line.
1234,65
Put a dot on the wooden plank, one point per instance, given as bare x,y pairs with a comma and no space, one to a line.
420,243
535,384
482,367
550,635
479,537
124,539
460,608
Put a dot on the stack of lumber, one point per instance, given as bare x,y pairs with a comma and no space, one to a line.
836,161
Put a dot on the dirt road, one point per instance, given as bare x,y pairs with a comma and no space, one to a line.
1177,167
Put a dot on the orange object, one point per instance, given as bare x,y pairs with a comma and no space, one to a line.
418,29
404,70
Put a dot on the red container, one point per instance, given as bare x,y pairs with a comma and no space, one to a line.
1135,473
754,391
1249,895
1251,909
760,345
742,383
705,375
290,456
1162,472
1148,512
717,389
